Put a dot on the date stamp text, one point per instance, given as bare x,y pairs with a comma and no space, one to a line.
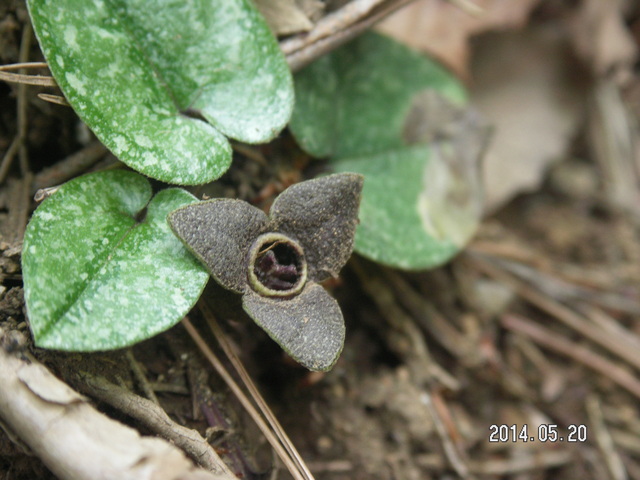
545,433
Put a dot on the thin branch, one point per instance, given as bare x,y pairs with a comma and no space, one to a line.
302,57
156,419
70,166
140,377
331,24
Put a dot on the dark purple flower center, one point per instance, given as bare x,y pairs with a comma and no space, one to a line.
277,265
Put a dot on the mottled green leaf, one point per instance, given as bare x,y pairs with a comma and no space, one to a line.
355,101
393,229
380,109
138,72
94,277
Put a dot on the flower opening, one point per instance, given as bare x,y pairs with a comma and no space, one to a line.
277,266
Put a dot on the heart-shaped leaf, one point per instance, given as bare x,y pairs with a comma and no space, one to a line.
380,109
94,277
138,73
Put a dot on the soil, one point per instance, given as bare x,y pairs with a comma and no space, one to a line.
437,365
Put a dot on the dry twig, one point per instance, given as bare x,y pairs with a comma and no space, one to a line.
73,439
331,24
156,419
303,55
70,166
450,450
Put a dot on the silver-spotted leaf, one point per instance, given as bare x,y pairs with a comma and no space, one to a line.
95,278
143,75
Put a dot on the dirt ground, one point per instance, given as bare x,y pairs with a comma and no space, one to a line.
535,324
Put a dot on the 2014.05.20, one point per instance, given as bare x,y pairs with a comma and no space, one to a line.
544,433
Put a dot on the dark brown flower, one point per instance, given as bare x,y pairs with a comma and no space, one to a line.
276,261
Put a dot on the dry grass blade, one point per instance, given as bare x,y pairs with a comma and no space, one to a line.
244,400
404,337
55,99
604,439
572,273
448,444
468,6
18,145
428,316
615,342
579,353
21,65
549,284
7,159
39,80
253,390
520,464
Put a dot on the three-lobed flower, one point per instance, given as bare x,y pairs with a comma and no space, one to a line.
276,261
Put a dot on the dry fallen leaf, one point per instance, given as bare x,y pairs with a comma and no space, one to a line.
530,89
600,36
284,16
442,29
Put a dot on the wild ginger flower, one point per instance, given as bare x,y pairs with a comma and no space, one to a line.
275,262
